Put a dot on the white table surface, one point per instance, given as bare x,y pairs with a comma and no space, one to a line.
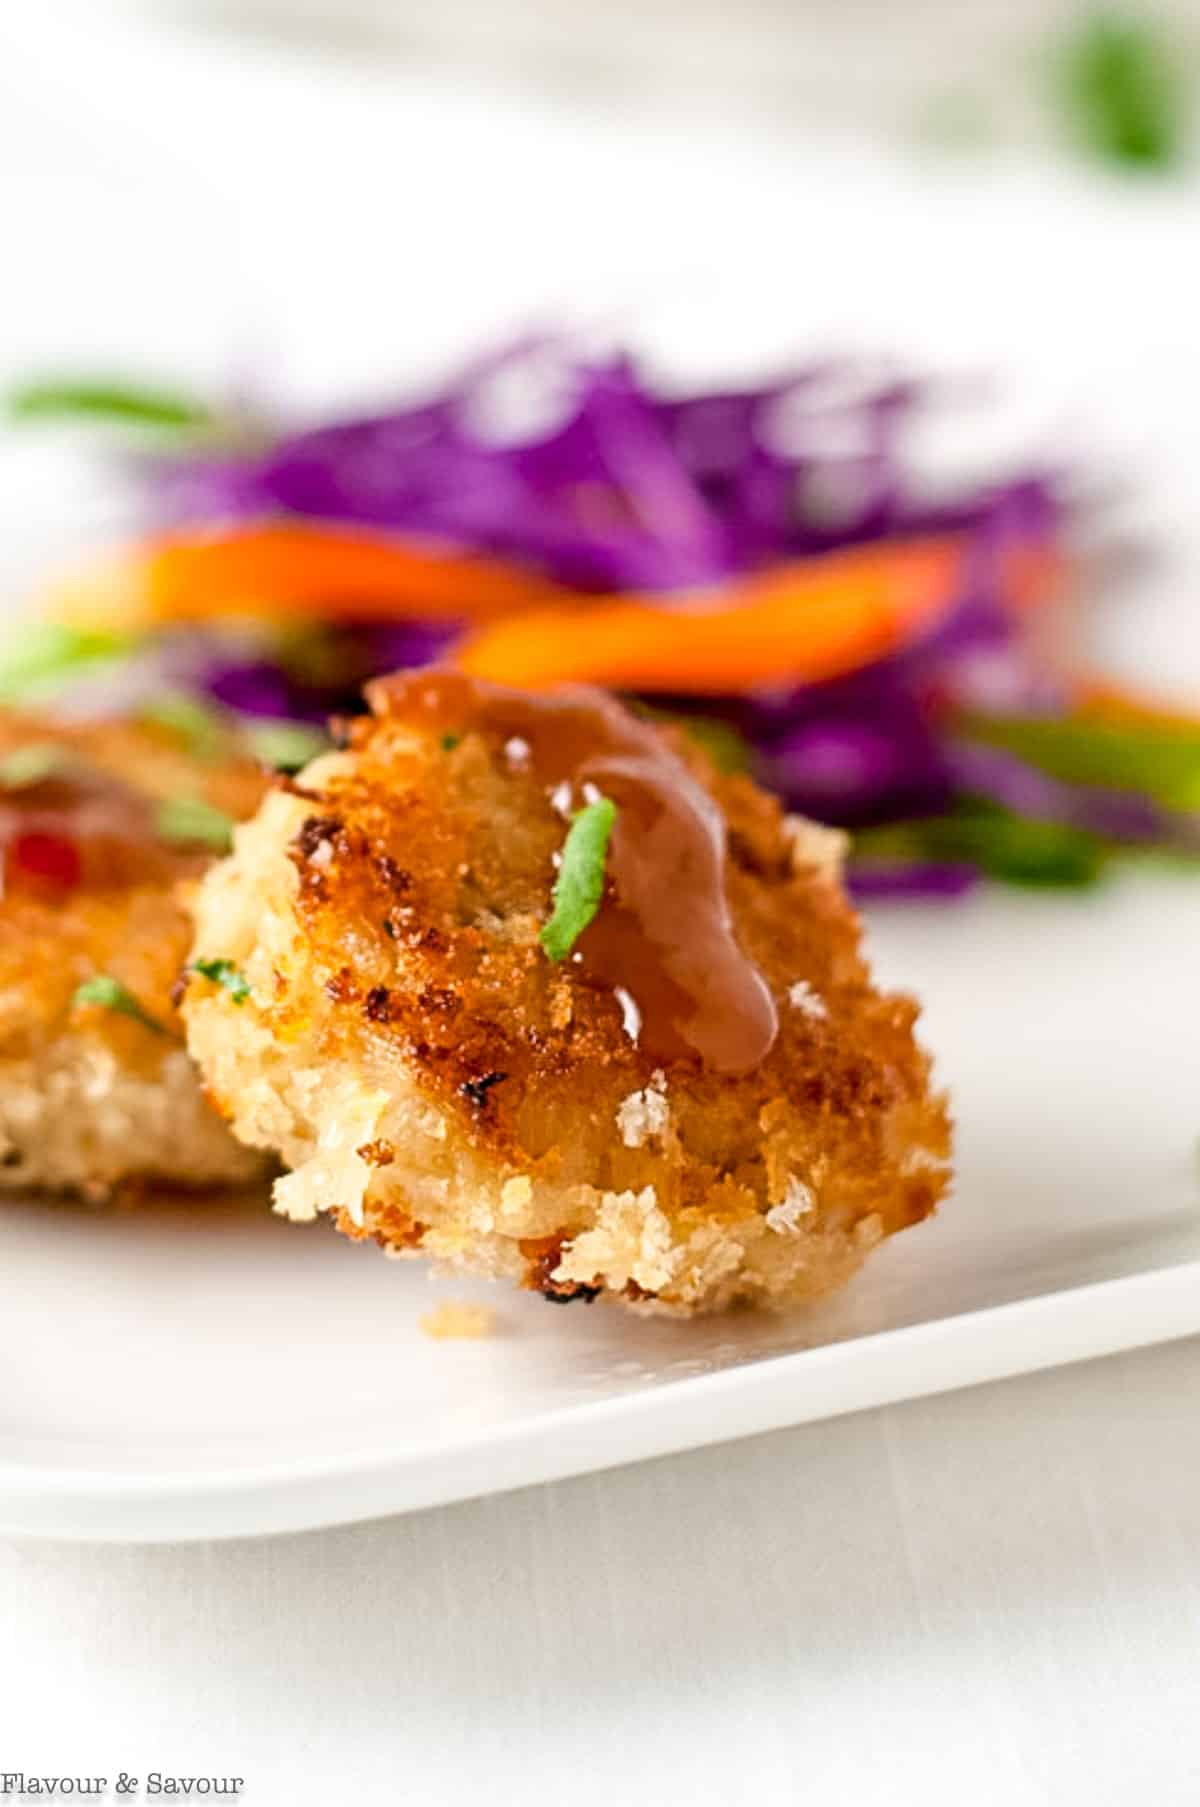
992,1597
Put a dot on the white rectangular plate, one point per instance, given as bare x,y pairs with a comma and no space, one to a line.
192,1371
206,1370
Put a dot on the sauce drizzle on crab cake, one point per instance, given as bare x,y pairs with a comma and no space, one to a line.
666,935
654,1119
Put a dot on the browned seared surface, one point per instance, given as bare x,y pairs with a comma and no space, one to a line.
438,1083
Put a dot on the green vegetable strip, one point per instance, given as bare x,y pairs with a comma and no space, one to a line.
192,821
1163,762
1005,846
729,750
225,974
579,886
1122,89
104,401
110,994
286,745
40,657
199,726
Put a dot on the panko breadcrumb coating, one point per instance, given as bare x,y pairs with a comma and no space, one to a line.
435,1083
91,1097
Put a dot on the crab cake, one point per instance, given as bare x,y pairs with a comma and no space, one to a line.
673,1083
98,824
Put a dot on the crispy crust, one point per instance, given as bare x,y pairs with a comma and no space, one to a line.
388,918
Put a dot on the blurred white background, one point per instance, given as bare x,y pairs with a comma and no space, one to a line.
325,204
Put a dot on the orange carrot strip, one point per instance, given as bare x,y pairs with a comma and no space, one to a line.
1104,699
810,620
295,569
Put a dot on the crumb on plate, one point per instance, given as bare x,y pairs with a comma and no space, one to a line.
458,1320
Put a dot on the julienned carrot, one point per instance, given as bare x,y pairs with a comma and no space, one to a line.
294,569
1102,699
803,621
806,620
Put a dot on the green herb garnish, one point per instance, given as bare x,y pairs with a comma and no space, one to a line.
41,657
450,741
199,726
90,400
579,886
191,820
225,974
286,745
1121,92
30,765
110,994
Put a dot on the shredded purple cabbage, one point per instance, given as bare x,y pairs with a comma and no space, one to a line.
989,772
875,881
583,470
321,673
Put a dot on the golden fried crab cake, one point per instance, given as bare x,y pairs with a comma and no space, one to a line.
98,825
699,1099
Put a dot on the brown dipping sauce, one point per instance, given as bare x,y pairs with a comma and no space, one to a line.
80,828
663,940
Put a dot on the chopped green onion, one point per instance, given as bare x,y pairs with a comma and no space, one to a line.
89,400
110,994
198,724
579,886
191,819
225,974
30,765
286,745
449,742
